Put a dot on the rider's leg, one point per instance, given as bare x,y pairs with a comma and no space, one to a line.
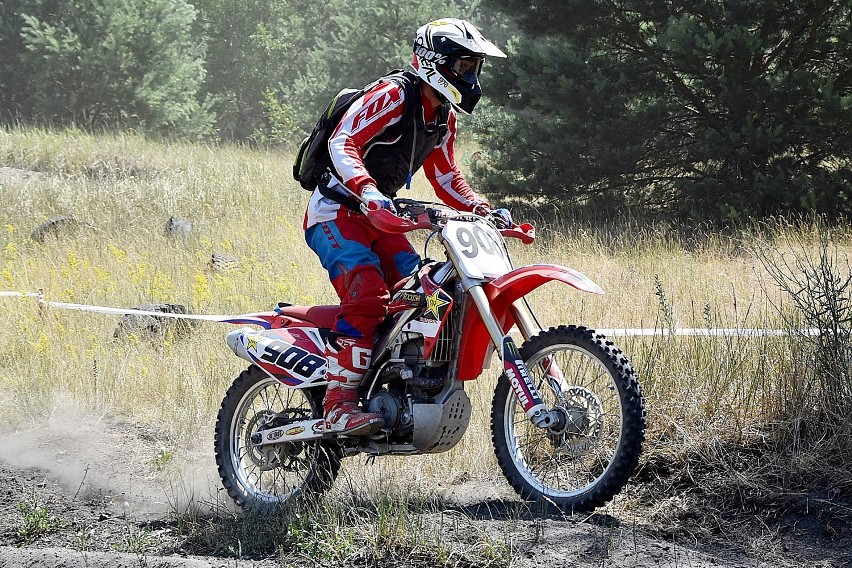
355,272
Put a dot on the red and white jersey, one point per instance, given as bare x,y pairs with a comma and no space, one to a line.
369,117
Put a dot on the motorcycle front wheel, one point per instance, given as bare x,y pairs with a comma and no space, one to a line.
585,460
264,477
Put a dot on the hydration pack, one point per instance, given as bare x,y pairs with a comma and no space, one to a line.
312,159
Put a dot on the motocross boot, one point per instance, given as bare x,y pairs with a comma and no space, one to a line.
347,359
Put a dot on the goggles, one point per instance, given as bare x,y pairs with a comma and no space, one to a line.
468,68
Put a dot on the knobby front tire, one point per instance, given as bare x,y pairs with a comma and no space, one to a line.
585,463
265,477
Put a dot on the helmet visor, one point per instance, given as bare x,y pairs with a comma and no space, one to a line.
467,68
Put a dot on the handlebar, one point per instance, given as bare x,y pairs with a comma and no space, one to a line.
386,221
413,215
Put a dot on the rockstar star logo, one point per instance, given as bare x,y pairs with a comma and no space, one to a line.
252,342
434,303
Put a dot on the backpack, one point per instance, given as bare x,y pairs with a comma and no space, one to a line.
312,159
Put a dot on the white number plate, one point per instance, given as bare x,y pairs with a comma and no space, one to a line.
478,247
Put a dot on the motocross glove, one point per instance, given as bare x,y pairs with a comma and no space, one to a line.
375,199
482,209
501,218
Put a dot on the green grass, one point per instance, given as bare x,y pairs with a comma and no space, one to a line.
35,520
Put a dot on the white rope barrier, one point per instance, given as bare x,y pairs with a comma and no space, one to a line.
252,319
19,294
705,332
234,319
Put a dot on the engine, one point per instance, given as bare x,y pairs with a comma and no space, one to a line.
405,380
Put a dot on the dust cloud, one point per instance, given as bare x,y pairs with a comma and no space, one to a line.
119,465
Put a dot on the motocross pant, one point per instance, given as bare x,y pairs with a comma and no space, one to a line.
364,264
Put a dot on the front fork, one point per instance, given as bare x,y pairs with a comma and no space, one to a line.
513,364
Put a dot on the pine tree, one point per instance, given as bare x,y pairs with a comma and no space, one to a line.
701,108
105,63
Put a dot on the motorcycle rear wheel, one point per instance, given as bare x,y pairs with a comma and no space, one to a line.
265,477
587,461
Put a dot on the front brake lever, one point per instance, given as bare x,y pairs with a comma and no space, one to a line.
409,207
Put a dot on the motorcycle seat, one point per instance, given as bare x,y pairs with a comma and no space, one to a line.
320,316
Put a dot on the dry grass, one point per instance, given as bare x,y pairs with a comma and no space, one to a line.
719,410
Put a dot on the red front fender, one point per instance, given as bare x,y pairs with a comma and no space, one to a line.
502,293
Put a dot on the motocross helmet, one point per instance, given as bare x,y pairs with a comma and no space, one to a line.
448,55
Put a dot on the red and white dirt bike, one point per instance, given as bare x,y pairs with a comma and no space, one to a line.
567,417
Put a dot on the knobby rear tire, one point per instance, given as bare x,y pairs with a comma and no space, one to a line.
263,479
585,465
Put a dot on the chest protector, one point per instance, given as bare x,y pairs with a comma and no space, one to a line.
394,156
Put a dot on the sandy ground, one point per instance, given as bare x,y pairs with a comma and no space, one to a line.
111,506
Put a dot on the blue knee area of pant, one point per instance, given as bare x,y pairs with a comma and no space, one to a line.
334,251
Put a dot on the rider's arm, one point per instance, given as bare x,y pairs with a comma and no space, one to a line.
368,117
446,178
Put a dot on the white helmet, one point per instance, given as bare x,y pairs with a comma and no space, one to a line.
448,55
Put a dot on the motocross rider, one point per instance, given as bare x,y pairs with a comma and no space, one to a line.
363,262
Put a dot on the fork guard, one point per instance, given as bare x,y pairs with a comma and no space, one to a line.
502,292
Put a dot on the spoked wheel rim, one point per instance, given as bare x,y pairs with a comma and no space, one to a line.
273,473
566,461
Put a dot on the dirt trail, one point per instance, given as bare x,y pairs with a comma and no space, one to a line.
97,458
108,505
